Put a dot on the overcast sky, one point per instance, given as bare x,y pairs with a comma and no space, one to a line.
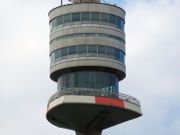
152,60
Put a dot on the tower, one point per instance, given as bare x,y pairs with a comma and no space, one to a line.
87,51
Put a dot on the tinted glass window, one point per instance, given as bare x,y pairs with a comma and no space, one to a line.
57,53
54,23
110,51
122,57
60,20
52,57
64,51
112,19
85,16
67,18
72,50
75,17
104,17
119,22
92,49
101,50
95,17
117,54
82,49
96,81
50,25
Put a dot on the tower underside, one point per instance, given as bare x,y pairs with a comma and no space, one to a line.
91,113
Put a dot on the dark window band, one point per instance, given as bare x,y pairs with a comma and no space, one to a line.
87,17
87,51
88,81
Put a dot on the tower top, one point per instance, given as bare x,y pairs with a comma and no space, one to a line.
85,1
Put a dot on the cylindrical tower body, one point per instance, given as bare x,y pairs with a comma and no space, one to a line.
87,47
87,51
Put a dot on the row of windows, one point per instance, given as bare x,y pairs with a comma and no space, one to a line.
84,80
87,51
87,17
89,34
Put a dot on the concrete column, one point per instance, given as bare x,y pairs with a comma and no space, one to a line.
89,133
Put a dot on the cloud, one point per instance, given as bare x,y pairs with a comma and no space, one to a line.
153,55
153,63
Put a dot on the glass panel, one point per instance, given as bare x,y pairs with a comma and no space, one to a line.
54,23
76,79
50,26
52,56
57,54
104,17
112,19
64,51
95,16
122,57
117,54
110,51
92,80
76,17
67,18
101,50
119,21
82,49
60,20
104,82
72,50
85,16
92,49
122,24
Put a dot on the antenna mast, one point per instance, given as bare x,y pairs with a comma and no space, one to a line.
61,2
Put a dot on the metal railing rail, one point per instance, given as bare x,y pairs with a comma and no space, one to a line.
94,92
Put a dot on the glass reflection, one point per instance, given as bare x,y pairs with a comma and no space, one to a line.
84,80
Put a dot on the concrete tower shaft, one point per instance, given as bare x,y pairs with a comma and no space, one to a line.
87,51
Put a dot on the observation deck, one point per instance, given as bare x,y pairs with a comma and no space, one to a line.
78,111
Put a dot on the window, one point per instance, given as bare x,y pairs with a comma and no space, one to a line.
112,19
119,22
67,18
122,59
117,54
122,24
82,49
92,49
52,56
72,50
50,26
110,51
85,16
76,17
88,51
54,23
95,17
101,50
57,54
64,51
60,20
104,18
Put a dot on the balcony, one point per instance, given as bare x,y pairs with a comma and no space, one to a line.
94,92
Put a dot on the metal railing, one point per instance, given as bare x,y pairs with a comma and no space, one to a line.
94,92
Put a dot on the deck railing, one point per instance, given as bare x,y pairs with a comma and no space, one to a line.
94,92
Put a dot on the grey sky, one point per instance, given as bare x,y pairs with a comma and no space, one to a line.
153,67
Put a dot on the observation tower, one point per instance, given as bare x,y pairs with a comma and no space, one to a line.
87,51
